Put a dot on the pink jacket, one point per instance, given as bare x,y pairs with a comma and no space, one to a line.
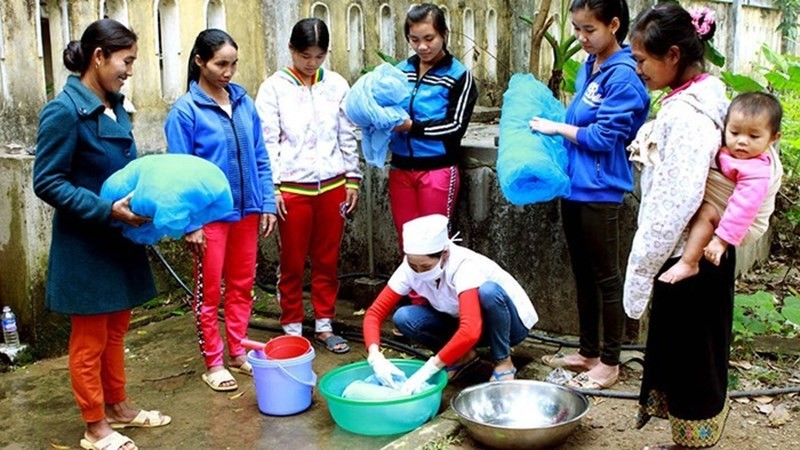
752,178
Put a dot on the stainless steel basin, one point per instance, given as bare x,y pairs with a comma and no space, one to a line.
520,414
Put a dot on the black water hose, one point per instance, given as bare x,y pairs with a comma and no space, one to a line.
626,395
574,344
169,268
381,276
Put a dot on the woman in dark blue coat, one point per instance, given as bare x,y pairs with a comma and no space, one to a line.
94,274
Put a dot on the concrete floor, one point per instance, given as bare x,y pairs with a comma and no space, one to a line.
164,368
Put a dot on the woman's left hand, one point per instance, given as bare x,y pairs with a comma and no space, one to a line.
405,126
351,200
544,126
267,224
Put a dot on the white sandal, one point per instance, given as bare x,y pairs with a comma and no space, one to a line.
215,380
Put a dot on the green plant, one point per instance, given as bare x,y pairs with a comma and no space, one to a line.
564,47
384,57
757,315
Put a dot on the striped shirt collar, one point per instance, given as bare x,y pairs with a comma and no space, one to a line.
298,80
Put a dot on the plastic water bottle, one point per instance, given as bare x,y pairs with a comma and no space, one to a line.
10,333
559,376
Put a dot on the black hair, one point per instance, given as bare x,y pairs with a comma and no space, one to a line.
423,12
605,11
752,104
106,34
436,255
309,33
206,44
666,25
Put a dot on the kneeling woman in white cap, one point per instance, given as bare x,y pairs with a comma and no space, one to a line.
472,301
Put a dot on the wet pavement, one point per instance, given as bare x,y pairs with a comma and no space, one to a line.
163,369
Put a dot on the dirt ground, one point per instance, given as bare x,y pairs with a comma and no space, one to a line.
164,370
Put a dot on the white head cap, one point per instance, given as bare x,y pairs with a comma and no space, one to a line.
425,235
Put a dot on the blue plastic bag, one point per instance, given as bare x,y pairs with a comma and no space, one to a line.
531,167
375,103
178,192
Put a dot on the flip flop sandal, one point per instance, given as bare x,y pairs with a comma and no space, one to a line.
244,369
114,441
559,362
585,381
333,343
496,376
461,369
145,419
215,380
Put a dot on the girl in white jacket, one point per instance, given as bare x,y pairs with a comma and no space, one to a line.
312,149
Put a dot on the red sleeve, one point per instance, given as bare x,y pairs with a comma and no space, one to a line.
377,313
470,326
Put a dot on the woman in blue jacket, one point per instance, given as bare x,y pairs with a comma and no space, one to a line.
610,105
424,178
94,273
217,121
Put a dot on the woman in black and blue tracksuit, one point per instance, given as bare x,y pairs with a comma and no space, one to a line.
610,105
423,178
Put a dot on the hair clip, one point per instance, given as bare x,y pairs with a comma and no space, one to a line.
702,19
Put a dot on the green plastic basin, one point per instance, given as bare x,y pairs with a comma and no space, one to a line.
380,418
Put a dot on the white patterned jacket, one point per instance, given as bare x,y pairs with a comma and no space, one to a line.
308,137
687,133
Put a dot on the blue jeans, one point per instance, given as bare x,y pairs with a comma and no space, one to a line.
502,327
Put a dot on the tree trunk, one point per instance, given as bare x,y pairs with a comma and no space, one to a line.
540,25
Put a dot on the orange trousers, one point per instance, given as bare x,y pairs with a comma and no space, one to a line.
97,362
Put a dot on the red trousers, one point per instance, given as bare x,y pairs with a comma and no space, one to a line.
417,193
313,227
231,249
97,361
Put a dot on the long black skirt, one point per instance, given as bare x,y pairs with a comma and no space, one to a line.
688,344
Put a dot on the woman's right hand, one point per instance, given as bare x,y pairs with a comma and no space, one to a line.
387,373
280,205
121,210
196,241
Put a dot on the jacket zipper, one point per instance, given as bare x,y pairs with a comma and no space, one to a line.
239,160
411,115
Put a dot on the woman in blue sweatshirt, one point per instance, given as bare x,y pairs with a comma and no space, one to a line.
610,105
217,121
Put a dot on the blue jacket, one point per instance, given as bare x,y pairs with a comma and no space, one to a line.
92,268
196,125
609,107
440,107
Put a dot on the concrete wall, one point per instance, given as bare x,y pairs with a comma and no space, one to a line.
25,227
22,85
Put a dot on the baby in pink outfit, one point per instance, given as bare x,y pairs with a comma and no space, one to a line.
747,160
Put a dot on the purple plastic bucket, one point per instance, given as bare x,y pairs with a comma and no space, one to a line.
283,386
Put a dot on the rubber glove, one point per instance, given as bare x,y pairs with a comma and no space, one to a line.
386,372
415,382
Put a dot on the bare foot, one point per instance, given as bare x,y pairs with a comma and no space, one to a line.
503,370
238,360
120,412
679,272
575,362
